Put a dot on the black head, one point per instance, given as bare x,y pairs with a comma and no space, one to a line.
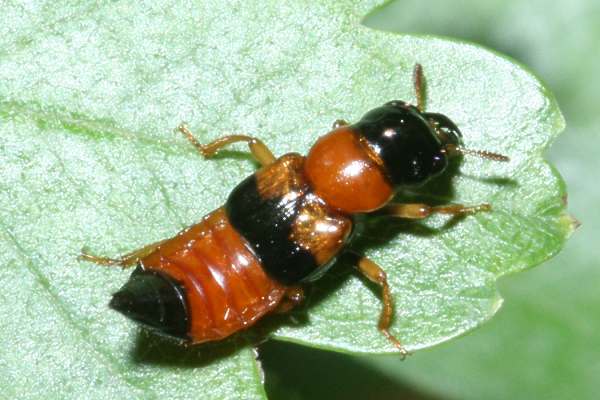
411,144
154,300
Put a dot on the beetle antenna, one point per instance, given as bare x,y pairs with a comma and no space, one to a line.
419,85
478,153
484,154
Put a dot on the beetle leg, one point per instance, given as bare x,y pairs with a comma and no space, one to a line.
420,210
419,84
126,260
377,275
293,296
338,123
259,150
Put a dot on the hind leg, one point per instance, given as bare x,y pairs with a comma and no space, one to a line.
124,261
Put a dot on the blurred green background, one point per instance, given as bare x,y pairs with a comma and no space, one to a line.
543,344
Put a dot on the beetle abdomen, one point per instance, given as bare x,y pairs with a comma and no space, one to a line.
225,286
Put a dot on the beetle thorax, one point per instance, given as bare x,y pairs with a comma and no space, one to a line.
343,173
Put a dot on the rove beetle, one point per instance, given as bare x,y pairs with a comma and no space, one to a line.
288,222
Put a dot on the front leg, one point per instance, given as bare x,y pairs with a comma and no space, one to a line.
421,210
259,150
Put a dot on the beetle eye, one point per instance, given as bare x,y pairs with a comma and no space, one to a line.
446,130
440,162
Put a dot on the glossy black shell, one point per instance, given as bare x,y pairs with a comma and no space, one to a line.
406,142
267,224
155,300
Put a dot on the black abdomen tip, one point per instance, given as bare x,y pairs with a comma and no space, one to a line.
154,300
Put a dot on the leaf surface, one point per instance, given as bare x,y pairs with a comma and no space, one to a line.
89,96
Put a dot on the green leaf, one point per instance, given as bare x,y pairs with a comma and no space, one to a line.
89,95
542,341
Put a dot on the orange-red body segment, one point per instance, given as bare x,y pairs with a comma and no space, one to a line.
346,174
227,289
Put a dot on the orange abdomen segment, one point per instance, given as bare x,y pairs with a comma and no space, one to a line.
226,287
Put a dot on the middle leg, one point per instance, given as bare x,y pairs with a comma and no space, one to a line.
259,150
377,275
